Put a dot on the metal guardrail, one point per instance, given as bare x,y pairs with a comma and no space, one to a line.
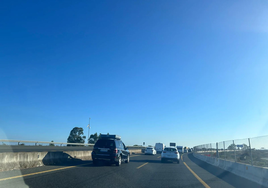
59,143
43,142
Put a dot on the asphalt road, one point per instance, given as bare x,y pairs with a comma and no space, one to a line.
142,171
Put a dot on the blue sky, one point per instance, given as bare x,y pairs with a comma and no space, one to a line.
189,72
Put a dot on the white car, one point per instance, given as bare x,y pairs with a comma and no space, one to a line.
170,154
150,151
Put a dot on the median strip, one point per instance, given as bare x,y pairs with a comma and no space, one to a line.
197,177
142,165
42,172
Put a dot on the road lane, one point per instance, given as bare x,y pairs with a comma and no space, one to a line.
152,173
216,177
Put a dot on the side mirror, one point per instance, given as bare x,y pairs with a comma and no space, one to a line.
126,148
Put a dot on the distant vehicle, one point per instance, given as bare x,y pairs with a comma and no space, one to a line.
150,151
111,149
189,150
170,154
180,149
172,144
159,147
185,149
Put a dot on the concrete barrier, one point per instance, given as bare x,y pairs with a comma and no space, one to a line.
21,160
252,173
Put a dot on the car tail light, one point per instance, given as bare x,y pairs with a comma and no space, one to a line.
164,152
115,151
176,152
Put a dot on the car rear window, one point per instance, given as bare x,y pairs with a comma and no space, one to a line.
149,148
170,149
104,143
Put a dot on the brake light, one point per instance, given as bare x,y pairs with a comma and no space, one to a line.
115,151
164,152
176,152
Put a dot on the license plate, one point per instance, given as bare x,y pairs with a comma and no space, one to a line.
104,149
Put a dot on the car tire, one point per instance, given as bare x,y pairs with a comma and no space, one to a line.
127,161
118,163
162,160
178,161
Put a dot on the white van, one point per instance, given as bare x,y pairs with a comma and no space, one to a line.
180,149
159,147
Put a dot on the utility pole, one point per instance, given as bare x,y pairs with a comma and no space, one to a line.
88,129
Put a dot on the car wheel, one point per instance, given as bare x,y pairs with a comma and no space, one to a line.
162,160
118,163
178,161
127,161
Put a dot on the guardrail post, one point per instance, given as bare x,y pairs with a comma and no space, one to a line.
234,150
251,161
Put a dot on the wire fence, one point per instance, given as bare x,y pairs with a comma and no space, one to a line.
252,151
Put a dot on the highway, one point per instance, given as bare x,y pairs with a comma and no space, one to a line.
142,171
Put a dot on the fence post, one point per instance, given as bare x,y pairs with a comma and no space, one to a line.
234,150
217,149
224,150
210,152
251,161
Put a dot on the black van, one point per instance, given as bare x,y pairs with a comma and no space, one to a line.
110,148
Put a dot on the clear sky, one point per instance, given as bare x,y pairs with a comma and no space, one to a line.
190,72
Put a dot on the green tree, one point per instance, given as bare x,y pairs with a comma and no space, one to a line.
231,147
76,136
93,138
51,144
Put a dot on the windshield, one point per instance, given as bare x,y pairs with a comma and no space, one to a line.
105,143
170,149
83,82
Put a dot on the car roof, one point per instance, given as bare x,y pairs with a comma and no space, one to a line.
171,147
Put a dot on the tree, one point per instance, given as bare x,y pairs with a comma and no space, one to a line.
245,147
51,143
232,147
76,136
93,138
